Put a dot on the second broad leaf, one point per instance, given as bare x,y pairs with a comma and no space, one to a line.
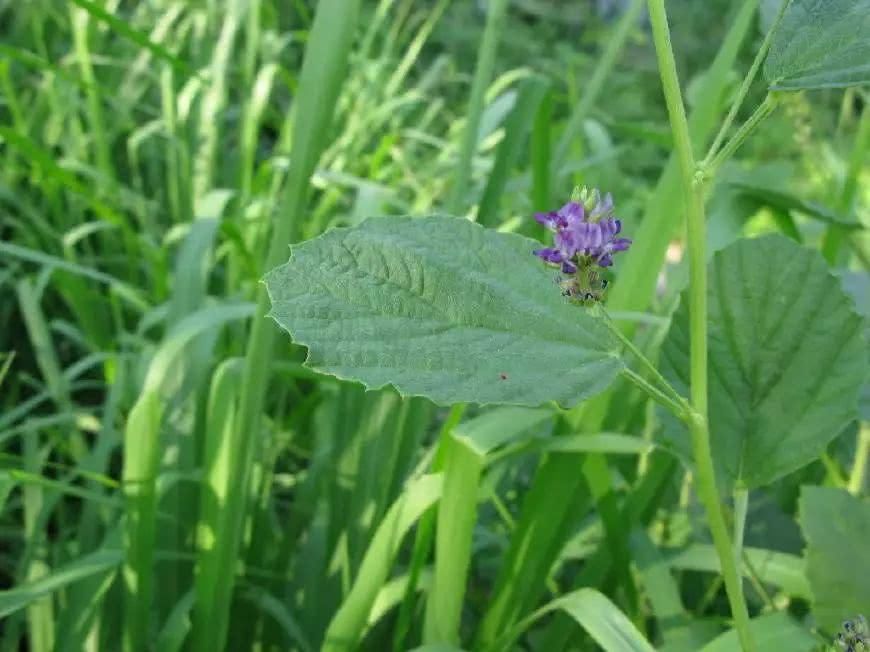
821,44
786,360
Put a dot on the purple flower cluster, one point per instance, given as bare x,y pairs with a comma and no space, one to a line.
585,233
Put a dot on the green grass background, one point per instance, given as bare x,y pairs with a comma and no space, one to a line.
171,475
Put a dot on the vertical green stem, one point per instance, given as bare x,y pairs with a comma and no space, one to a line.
482,75
696,234
858,476
741,506
538,537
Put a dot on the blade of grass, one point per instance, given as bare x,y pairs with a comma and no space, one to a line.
540,153
43,347
215,565
601,619
529,97
40,614
835,236
134,35
592,88
466,450
425,533
171,637
43,160
279,612
124,290
214,100
97,124
661,589
141,455
101,561
483,72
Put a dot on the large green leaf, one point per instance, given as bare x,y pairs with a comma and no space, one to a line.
786,360
836,526
443,308
821,44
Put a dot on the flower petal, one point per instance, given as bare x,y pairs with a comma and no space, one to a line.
605,260
620,244
572,213
549,254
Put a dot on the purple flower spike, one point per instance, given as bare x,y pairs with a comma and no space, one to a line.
585,234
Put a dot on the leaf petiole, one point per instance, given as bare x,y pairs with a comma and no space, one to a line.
679,408
677,403
747,82
707,168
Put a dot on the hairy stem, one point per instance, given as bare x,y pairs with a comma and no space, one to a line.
696,234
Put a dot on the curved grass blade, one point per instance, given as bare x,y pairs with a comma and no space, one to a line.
348,624
601,619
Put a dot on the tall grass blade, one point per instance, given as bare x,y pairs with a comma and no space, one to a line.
215,566
483,72
140,473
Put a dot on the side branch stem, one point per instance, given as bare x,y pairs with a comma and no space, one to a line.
747,82
678,408
665,386
764,109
